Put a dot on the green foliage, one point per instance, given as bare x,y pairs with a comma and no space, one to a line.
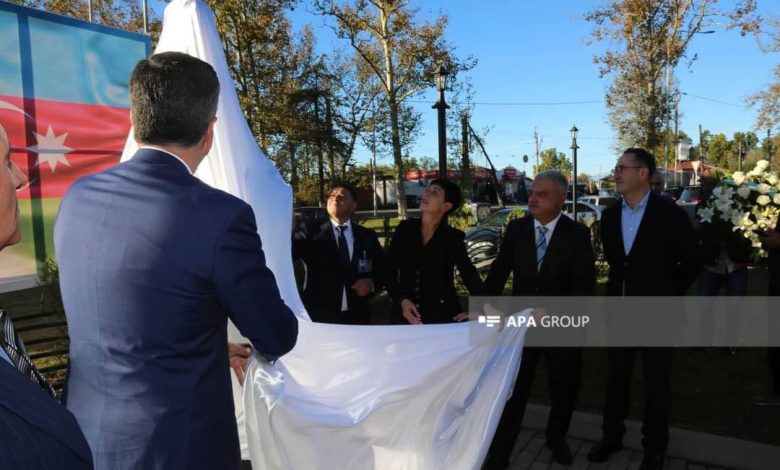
462,218
551,159
517,213
651,38
49,275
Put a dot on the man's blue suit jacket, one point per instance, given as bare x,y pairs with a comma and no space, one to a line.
152,264
36,432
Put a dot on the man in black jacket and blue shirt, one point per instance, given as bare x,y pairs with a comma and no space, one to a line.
549,255
651,249
343,263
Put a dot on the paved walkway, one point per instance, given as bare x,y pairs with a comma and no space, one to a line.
531,454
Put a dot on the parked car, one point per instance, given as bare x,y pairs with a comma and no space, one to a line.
311,215
587,213
689,199
601,201
672,193
482,241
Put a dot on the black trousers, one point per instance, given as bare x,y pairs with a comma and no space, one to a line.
563,383
773,357
657,383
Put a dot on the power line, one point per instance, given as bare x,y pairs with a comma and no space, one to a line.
714,100
496,103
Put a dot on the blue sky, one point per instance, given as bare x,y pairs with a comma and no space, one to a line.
534,51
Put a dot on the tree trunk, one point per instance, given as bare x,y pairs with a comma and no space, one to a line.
291,149
399,162
393,104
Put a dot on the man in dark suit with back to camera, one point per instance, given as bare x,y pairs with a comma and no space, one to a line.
549,255
343,262
651,249
36,432
153,262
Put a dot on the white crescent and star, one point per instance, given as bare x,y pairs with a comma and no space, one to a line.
50,147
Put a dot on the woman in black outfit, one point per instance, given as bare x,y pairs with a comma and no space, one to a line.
421,258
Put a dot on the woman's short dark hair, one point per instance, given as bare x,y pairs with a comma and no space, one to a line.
451,193
173,97
644,158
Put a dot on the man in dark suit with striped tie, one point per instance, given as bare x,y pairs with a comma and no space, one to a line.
549,255
36,432
343,262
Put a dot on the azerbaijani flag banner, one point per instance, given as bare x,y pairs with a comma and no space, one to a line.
64,102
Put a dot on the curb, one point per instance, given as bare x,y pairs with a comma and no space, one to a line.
702,448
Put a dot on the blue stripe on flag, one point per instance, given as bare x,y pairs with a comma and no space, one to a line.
10,61
74,61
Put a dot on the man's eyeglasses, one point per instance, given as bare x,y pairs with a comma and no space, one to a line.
620,168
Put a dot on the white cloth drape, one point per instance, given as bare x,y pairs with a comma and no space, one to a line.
347,397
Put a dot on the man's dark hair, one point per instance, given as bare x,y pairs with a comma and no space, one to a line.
344,185
451,193
644,158
173,97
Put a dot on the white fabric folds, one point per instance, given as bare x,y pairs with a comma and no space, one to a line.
347,397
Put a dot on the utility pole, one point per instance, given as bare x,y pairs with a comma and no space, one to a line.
373,163
464,142
146,16
537,143
703,156
676,130
492,168
739,156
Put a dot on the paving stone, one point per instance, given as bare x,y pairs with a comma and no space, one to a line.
677,464
529,454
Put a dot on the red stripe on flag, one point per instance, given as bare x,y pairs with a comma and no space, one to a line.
95,139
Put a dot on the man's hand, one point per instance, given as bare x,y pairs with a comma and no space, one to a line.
410,312
770,239
239,355
363,287
538,314
492,311
470,316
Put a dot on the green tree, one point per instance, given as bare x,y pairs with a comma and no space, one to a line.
400,50
719,151
768,100
551,159
652,37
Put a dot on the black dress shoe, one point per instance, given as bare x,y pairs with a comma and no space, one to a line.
602,450
561,453
653,460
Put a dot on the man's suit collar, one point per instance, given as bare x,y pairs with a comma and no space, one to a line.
160,157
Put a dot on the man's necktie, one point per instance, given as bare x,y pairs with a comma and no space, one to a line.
541,247
343,248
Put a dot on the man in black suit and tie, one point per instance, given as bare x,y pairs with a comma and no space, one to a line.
549,255
36,432
651,249
343,262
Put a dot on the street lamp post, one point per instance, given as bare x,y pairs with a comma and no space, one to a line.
440,77
574,148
